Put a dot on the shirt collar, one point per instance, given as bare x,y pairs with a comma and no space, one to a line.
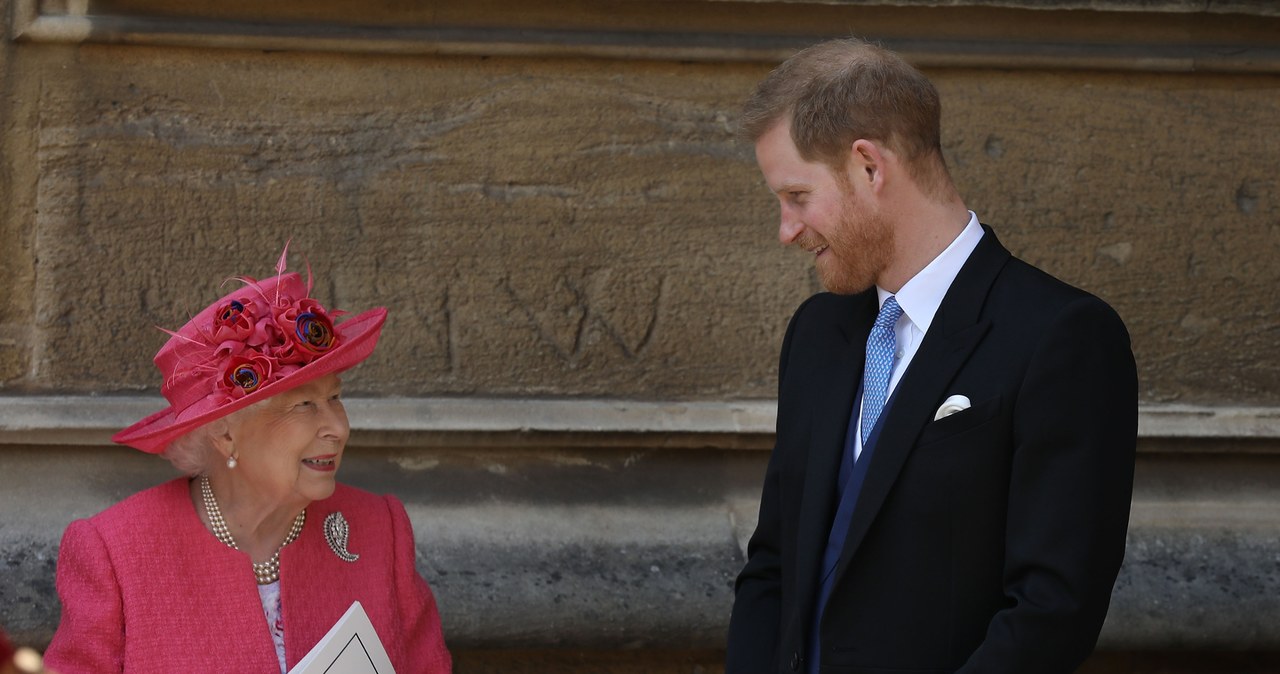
921,296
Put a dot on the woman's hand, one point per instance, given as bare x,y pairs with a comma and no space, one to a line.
25,661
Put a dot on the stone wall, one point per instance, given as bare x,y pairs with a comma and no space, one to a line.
572,394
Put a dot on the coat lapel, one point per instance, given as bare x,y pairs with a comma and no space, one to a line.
956,330
830,399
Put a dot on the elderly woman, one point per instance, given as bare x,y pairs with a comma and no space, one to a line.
246,563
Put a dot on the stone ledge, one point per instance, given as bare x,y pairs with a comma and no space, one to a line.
1027,39
1254,7
619,548
508,422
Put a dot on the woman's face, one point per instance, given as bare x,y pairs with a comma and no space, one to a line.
289,447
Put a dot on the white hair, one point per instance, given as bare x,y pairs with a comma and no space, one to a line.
194,453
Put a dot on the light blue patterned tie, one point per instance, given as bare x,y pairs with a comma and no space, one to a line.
875,376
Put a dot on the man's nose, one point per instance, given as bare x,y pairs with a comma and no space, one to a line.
789,227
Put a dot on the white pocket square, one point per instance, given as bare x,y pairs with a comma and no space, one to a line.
956,403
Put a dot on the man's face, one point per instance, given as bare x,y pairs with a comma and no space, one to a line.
826,214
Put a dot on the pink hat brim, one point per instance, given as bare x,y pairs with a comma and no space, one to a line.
359,335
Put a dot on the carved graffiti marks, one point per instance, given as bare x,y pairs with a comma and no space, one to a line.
647,125
574,311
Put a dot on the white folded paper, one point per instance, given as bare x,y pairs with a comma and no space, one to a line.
351,647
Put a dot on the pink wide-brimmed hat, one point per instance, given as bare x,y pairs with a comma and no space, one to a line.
265,338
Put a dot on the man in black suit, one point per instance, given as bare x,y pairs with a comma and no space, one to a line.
949,489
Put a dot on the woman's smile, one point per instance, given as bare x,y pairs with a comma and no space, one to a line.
327,463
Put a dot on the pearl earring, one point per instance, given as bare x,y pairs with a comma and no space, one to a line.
231,462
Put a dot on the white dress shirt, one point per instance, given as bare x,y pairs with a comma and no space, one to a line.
919,298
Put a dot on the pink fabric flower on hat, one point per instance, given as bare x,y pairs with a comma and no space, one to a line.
232,326
244,374
264,346
305,329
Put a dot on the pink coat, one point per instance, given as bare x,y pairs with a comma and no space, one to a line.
146,588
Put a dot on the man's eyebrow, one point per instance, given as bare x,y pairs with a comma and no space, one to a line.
791,187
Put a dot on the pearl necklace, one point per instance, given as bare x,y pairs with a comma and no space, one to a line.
266,572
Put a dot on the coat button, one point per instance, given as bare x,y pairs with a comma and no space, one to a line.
795,662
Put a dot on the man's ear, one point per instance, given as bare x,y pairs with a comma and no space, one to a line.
867,163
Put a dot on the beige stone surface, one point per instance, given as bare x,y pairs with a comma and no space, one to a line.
1160,193
566,227
535,227
15,268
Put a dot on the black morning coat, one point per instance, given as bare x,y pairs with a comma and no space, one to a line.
986,541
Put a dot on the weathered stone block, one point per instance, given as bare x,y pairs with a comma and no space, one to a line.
569,228
535,228
1156,192
13,357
